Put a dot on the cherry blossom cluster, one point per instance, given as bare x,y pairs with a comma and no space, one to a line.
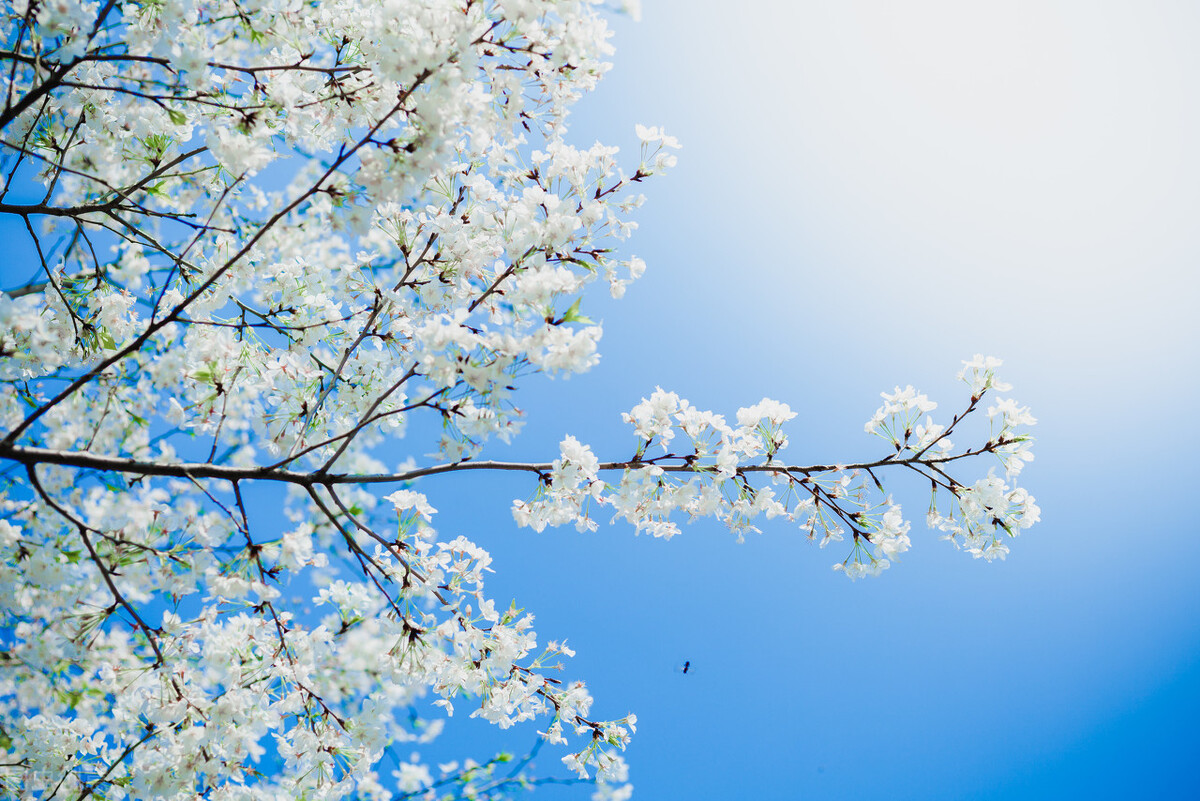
690,464
273,236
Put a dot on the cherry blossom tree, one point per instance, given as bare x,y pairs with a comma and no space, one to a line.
267,238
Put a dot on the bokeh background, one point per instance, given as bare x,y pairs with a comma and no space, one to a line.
868,193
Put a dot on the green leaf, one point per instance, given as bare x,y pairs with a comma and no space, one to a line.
572,314
177,117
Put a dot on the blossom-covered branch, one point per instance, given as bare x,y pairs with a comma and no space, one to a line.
710,476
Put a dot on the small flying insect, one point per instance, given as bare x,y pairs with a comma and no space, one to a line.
685,667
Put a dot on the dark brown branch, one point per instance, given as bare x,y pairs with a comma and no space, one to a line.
28,455
83,528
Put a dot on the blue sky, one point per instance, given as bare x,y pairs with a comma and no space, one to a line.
869,193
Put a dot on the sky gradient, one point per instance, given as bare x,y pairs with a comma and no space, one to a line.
865,197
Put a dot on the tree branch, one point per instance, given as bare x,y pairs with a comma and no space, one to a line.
28,455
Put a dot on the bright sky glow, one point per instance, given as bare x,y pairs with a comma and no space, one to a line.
954,149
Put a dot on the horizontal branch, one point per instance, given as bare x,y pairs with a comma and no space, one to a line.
121,194
196,470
